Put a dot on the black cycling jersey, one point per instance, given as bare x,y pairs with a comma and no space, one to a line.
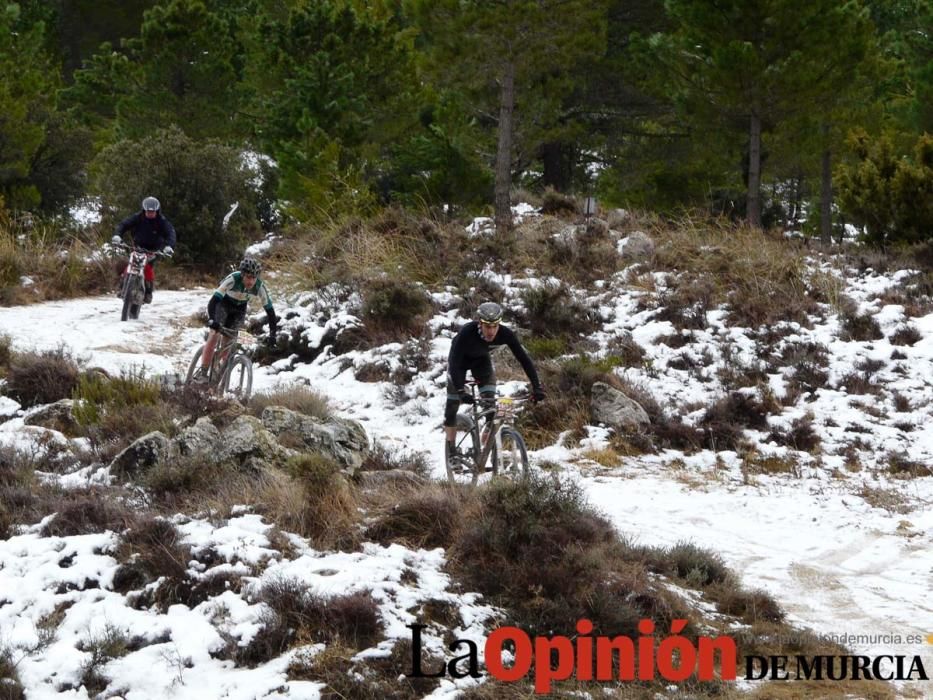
469,348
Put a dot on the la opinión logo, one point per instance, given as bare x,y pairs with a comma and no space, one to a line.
587,658
673,658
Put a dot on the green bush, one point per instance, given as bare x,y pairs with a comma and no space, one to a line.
394,308
891,196
552,312
96,395
196,182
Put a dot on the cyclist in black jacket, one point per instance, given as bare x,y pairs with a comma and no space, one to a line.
470,351
150,231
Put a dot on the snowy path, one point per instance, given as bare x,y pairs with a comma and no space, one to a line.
837,565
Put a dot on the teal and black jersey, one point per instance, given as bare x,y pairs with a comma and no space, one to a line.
235,292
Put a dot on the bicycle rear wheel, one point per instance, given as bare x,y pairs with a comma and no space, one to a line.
461,468
513,461
238,378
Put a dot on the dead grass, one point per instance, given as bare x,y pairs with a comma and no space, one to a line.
85,512
890,500
324,505
295,615
295,397
425,517
366,679
59,265
759,276
35,378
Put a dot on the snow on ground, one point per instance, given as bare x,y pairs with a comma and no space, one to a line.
838,565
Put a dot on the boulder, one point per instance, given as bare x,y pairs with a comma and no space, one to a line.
143,454
636,246
616,410
56,416
203,436
247,442
342,439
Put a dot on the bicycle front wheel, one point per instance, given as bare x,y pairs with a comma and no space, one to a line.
238,378
512,462
195,362
461,466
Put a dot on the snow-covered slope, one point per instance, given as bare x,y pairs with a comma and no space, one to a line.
837,564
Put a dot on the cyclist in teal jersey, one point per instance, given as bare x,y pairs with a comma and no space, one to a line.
227,307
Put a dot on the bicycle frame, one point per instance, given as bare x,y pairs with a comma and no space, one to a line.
489,424
228,355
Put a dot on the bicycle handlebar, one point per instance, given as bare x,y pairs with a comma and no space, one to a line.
137,249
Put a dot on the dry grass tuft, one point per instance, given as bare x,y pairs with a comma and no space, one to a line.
43,377
761,277
424,517
295,397
295,615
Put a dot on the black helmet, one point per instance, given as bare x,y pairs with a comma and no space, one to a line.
489,312
151,204
251,266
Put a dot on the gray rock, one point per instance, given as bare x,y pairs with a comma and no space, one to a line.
637,246
613,408
342,439
56,416
203,436
143,454
247,442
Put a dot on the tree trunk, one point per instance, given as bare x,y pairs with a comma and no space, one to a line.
754,171
826,193
557,160
504,151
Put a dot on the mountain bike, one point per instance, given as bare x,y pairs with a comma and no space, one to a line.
231,370
487,441
133,284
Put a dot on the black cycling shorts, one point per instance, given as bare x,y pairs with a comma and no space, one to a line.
230,315
483,374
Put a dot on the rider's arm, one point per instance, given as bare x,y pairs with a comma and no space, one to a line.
170,237
521,355
455,358
127,224
212,306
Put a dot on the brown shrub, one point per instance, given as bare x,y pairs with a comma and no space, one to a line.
382,458
295,397
859,327
325,509
537,549
85,512
905,335
425,518
557,203
297,615
393,310
151,549
43,377
800,436
724,421
551,311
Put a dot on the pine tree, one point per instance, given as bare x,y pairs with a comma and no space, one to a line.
750,65
28,80
512,59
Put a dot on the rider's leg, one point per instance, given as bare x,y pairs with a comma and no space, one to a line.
450,409
209,347
485,377
149,280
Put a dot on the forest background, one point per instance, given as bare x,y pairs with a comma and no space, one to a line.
800,114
